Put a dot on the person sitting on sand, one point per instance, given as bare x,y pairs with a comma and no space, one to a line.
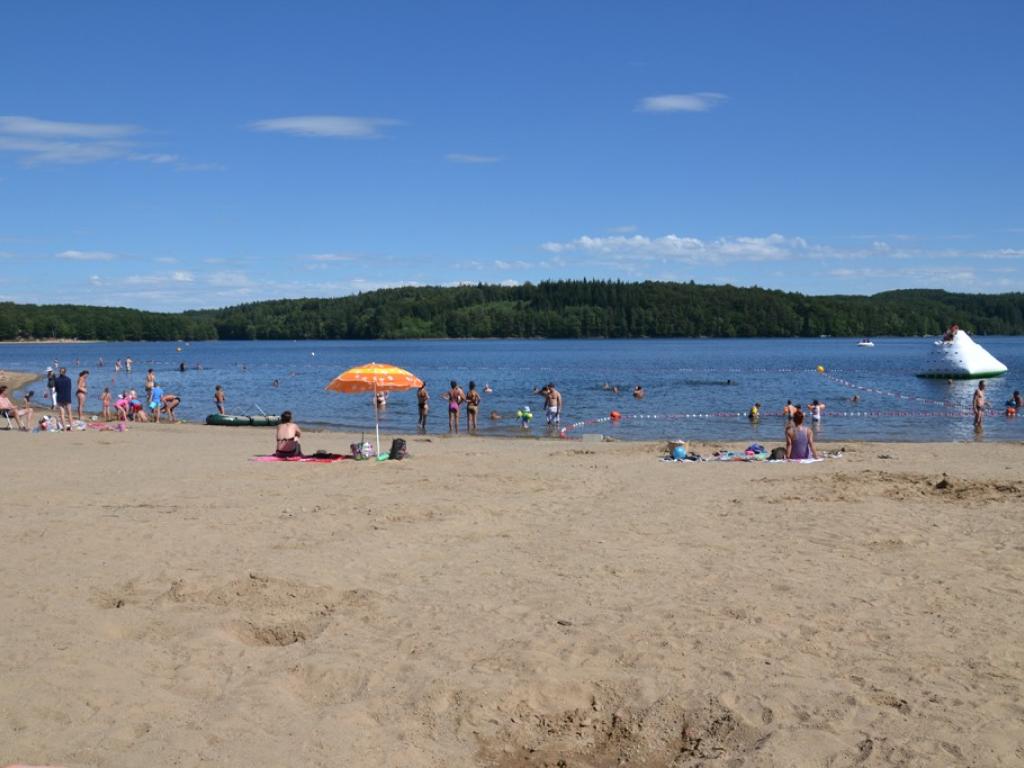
799,440
22,416
288,434
135,407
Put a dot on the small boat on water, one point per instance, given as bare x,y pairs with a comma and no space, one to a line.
227,420
865,343
957,356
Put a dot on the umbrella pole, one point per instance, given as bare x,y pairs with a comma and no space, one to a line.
376,416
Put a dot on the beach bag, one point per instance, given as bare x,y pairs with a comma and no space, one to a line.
362,450
398,449
778,454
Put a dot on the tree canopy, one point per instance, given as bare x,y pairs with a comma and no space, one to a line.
556,309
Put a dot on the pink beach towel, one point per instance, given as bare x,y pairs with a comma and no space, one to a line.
300,459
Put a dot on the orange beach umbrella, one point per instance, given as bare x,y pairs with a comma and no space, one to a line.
374,377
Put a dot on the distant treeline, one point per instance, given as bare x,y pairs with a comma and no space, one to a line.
562,309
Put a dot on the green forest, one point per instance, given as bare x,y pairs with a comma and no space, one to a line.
557,309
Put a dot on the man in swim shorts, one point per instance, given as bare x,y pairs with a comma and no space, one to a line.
552,404
978,404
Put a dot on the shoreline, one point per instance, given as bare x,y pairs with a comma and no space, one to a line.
15,380
20,380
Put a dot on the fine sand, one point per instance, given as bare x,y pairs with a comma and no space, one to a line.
168,602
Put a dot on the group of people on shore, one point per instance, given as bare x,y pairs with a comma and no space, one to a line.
127,406
455,397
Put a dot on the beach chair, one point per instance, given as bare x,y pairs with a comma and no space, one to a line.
7,415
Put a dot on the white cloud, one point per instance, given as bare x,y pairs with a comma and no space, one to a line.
690,250
229,279
506,265
62,152
326,257
458,157
681,102
942,276
178,276
65,143
86,256
31,126
157,158
332,126
95,280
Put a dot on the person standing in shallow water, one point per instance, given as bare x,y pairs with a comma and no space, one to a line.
978,404
423,406
455,397
552,405
472,407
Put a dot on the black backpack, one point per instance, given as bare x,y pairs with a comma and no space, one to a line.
398,449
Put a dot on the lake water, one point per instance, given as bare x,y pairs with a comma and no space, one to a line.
685,379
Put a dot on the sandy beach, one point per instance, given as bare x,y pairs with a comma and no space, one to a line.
169,602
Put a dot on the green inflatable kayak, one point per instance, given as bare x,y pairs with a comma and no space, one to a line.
226,420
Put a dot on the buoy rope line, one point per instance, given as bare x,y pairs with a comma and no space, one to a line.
888,393
950,414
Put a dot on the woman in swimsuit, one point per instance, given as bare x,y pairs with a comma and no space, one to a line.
82,388
799,440
472,406
455,397
288,434
423,405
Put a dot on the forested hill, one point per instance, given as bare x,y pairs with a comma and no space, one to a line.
564,309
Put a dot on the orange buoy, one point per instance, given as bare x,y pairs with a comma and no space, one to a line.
615,415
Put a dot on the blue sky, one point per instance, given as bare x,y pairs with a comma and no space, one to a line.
201,154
